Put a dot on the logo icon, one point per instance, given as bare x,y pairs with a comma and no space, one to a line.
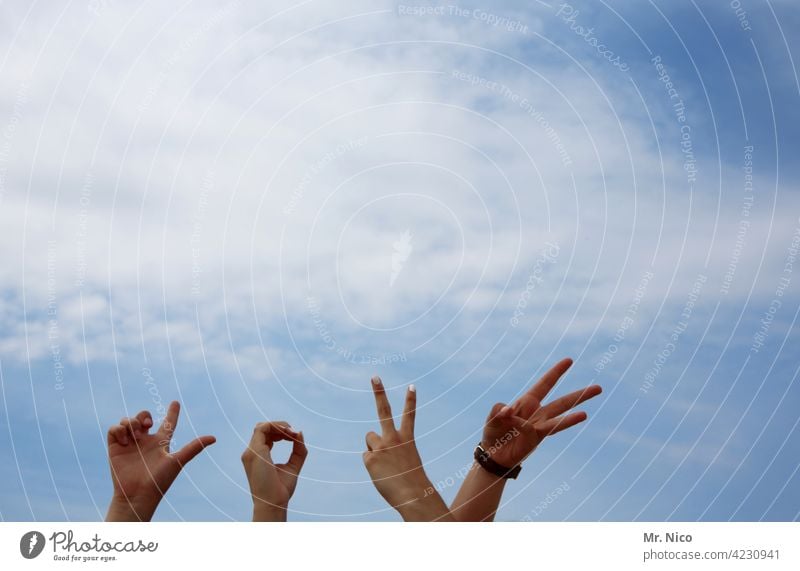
402,250
31,544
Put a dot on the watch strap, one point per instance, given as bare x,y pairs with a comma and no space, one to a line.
484,460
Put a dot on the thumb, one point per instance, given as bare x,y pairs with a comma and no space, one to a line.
192,449
298,456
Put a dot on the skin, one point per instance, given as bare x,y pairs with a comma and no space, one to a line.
395,466
512,433
142,466
272,485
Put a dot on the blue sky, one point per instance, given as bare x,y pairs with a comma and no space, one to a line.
209,202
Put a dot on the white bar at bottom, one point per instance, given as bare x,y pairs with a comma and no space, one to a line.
398,546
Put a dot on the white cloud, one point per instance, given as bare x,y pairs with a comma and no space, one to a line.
158,152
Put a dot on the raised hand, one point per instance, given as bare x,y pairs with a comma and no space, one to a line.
511,433
272,485
395,466
142,466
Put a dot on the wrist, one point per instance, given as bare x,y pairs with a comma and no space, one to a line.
426,508
263,511
487,479
423,503
131,509
483,457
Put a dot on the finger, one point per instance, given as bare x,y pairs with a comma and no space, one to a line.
563,404
170,419
268,433
192,449
382,404
282,430
257,449
556,425
299,453
277,424
118,434
540,390
373,441
409,412
133,427
146,420
499,412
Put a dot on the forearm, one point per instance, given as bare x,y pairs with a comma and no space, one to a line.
428,505
267,512
125,509
479,496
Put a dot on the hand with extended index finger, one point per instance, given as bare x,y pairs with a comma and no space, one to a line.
142,466
395,466
272,485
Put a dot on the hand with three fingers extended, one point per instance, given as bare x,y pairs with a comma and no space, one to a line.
512,432
395,466
272,485
142,466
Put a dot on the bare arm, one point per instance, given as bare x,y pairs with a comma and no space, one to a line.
479,496
395,466
511,434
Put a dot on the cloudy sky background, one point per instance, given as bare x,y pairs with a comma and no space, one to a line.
202,202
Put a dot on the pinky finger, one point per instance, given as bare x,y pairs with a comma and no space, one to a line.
556,425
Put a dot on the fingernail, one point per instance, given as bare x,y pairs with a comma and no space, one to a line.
505,410
412,388
148,421
376,381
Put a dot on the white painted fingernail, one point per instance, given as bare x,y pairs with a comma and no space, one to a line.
412,388
376,380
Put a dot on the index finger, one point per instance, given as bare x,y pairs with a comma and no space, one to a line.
170,419
549,379
410,412
382,404
268,433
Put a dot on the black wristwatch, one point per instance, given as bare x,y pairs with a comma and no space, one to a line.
485,462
